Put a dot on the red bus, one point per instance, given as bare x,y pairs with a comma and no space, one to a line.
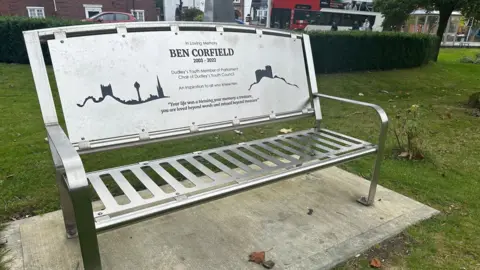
292,14
298,14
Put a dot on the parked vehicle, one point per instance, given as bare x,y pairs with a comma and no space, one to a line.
111,17
320,14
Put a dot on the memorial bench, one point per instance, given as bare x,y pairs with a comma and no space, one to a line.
125,85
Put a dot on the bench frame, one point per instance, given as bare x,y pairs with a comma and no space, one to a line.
72,179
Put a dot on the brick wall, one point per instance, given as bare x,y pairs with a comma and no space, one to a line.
19,7
74,9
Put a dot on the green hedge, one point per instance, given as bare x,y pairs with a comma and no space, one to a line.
12,45
332,51
358,50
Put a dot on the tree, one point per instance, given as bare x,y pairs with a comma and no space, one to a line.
396,9
396,12
193,14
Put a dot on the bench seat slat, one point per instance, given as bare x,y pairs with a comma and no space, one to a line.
263,155
214,176
221,166
102,192
347,143
287,148
235,162
316,144
358,141
168,177
327,142
126,187
251,159
185,172
147,182
305,147
276,152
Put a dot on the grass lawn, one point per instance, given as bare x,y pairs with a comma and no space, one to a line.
447,179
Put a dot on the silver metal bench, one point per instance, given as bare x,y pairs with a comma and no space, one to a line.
124,85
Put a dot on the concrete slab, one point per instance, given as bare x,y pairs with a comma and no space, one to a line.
220,234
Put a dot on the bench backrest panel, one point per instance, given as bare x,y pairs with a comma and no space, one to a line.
124,84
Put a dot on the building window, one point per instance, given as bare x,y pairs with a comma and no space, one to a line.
92,10
236,1
36,12
139,14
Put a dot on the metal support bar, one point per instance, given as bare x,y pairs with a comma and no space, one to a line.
65,201
381,143
77,185
87,234
312,77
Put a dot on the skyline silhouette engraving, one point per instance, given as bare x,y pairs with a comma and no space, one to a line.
268,73
107,91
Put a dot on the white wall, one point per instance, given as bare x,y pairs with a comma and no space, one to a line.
246,8
171,5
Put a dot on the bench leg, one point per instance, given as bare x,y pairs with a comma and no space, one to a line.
87,234
66,205
373,183
65,201
376,168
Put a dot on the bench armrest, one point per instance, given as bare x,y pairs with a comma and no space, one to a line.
380,111
380,147
68,157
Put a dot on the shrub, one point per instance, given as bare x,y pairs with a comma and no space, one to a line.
192,14
408,133
12,47
357,50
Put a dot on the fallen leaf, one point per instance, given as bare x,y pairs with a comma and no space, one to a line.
375,263
257,257
286,130
268,264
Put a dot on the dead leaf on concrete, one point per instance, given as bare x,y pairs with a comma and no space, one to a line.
257,257
375,263
286,130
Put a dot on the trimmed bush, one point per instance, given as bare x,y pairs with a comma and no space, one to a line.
358,50
332,51
12,45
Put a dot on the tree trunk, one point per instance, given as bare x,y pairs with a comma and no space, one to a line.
445,12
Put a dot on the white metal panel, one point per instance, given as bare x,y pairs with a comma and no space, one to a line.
122,84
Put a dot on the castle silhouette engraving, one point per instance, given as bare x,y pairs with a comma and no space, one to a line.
267,73
107,91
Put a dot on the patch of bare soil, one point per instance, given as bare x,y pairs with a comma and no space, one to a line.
385,253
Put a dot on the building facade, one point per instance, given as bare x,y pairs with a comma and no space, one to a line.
143,10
